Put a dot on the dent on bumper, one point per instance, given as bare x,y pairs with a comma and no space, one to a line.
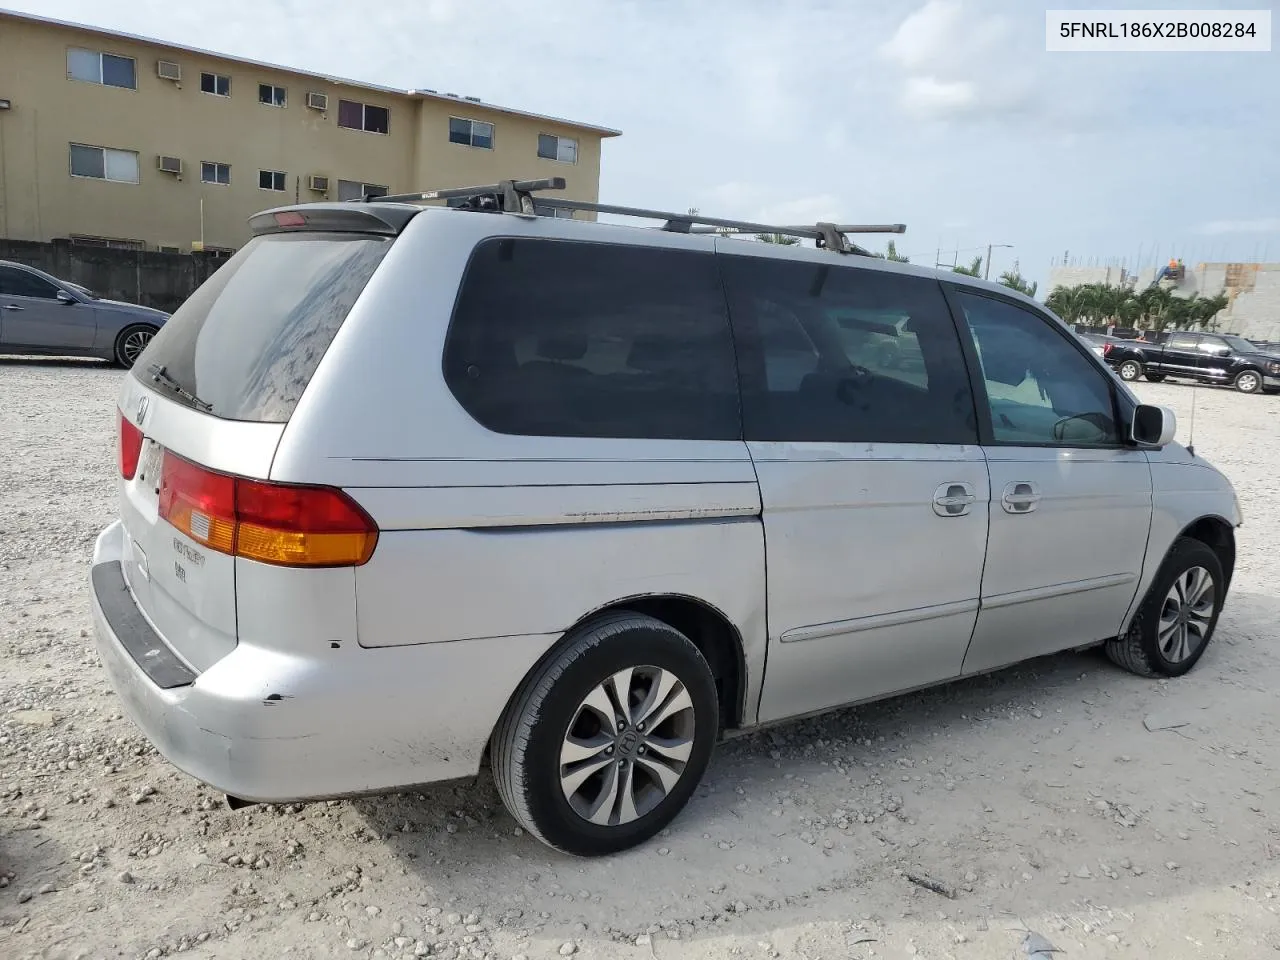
273,727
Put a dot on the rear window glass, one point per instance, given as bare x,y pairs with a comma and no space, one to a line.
245,345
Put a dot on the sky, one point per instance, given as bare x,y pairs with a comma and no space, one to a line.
945,115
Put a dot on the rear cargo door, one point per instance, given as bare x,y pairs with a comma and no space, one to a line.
206,403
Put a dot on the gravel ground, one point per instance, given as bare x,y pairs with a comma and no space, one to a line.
1036,797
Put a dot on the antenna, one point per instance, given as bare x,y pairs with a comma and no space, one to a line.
1191,430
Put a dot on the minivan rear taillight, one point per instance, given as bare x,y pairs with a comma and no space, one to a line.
130,446
281,524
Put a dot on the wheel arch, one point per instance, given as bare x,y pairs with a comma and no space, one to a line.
1211,529
1216,534
705,624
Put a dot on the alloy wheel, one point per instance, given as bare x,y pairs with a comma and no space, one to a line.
134,344
627,745
1186,614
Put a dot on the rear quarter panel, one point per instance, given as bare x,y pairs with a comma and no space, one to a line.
485,535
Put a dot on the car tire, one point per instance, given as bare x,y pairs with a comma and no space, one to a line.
621,784
131,342
1155,377
1248,381
1129,370
1177,618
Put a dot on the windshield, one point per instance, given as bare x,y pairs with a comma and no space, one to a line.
84,290
245,345
1240,345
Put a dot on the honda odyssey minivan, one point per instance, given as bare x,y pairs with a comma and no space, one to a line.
408,491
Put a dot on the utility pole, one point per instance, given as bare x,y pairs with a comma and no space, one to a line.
986,273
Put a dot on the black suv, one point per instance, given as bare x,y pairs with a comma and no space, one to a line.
1207,357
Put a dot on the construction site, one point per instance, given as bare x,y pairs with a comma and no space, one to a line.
1252,290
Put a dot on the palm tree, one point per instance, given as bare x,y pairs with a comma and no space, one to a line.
891,253
1208,308
1065,302
973,270
1015,281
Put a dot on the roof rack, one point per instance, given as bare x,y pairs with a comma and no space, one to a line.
516,196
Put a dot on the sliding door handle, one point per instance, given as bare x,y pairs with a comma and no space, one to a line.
1020,497
953,499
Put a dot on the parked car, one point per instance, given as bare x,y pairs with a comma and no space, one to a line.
42,315
1206,357
406,491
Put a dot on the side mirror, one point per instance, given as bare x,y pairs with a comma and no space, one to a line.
64,297
1153,426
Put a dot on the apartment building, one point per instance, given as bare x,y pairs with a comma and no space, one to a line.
112,139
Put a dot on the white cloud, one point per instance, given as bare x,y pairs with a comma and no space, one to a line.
1261,225
762,204
929,96
927,35
956,61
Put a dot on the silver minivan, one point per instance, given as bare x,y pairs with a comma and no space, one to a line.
406,491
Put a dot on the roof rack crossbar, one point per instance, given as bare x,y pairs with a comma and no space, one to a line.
516,196
789,229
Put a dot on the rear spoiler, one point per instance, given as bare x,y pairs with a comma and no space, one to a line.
382,219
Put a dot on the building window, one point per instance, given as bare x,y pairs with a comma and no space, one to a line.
216,84
166,248
471,133
102,68
272,180
559,213
563,149
355,190
363,116
99,163
215,172
271,95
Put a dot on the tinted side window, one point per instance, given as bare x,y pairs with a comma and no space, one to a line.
1213,345
556,338
1042,390
19,283
840,354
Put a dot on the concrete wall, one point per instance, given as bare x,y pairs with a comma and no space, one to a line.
160,280
1079,276
40,199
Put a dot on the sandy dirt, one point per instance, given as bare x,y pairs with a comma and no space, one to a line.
1036,797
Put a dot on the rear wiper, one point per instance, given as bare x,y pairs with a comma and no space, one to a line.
159,375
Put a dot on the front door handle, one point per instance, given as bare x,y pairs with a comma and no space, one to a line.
1020,497
953,499
12,306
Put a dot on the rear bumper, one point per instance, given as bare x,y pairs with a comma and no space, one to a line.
273,727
